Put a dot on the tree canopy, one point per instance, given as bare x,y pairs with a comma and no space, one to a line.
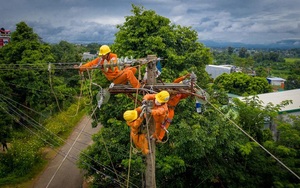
242,84
30,93
201,150
146,33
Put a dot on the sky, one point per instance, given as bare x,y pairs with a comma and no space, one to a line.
87,21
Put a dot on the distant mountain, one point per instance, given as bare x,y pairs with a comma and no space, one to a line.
282,44
293,43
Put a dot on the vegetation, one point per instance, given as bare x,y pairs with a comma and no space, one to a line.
147,33
202,150
24,158
242,84
276,63
31,96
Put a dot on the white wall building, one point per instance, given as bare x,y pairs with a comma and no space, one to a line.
87,55
216,70
275,81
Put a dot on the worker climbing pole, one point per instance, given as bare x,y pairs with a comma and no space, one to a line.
159,92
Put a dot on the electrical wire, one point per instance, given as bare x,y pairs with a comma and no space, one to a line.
249,136
104,166
40,66
19,67
66,156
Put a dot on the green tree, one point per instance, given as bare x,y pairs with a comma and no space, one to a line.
6,121
65,52
292,82
28,60
261,72
273,56
93,48
243,52
28,86
66,55
223,58
201,150
246,64
146,33
256,166
293,79
287,149
143,33
242,84
230,50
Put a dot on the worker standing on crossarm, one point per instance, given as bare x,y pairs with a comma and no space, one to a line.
172,103
159,110
116,76
134,121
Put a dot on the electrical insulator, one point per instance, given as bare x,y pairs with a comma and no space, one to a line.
198,107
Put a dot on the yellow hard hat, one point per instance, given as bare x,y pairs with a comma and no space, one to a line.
162,97
130,115
104,49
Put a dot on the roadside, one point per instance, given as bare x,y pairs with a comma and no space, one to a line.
62,171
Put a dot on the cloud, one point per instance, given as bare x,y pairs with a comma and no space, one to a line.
256,21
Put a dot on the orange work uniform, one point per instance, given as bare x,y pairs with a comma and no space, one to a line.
159,113
139,139
172,103
117,76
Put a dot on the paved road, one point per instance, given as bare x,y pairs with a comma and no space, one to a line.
62,172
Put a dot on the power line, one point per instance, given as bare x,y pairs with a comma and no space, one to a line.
35,126
41,66
249,136
65,156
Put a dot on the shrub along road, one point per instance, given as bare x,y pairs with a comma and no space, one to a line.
62,171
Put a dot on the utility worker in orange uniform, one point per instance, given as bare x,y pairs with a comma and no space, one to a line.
117,76
159,110
134,121
172,103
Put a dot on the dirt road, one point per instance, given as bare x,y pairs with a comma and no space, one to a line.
62,171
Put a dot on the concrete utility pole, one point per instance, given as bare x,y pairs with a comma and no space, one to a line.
150,180
150,158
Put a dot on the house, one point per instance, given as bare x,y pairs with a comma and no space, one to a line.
275,81
88,56
216,70
4,37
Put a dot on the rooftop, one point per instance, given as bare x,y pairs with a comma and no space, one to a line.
277,97
275,79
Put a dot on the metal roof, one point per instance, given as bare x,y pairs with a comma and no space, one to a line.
275,79
277,97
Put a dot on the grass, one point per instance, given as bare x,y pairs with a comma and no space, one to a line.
291,60
284,71
25,181
280,73
48,153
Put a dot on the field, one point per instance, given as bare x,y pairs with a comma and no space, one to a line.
282,69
